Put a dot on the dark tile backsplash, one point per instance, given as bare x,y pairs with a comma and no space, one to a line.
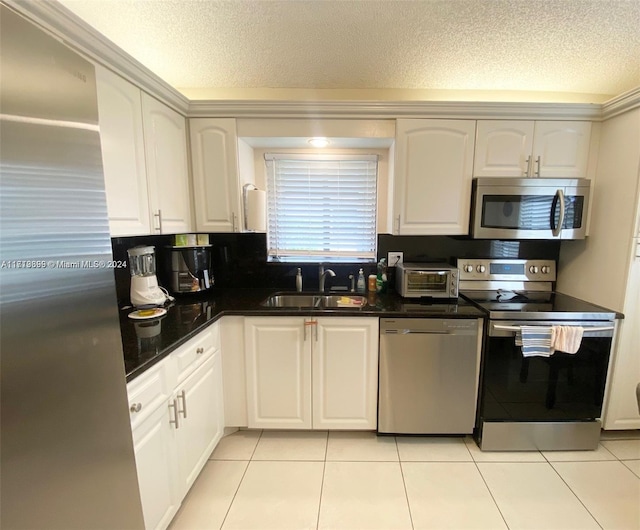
239,259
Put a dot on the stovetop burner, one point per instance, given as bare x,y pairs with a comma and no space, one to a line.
537,306
515,289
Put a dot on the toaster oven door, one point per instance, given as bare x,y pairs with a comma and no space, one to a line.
426,283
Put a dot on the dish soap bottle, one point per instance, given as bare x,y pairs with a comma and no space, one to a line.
361,288
299,281
381,280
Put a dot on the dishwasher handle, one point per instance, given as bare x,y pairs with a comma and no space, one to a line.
416,332
429,326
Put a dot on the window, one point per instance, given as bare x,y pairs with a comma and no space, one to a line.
321,207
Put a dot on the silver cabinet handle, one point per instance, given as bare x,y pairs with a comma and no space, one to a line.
174,405
233,222
527,171
135,407
182,395
159,216
200,350
537,173
398,230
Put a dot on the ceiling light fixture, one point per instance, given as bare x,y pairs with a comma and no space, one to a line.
319,142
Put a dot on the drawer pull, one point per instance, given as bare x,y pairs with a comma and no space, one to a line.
200,350
135,407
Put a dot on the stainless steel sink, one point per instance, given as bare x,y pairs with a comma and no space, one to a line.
315,301
351,301
291,300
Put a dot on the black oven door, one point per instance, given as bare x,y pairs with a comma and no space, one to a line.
562,387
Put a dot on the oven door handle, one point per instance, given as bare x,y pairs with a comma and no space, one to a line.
586,328
559,196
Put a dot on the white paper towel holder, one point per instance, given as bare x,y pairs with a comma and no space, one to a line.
247,214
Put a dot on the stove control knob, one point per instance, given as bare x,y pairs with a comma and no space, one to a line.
533,269
468,268
481,268
545,269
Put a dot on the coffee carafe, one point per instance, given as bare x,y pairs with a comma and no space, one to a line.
145,291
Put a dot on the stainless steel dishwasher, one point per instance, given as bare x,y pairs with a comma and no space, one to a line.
429,371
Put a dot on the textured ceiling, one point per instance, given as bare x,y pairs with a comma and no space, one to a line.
568,46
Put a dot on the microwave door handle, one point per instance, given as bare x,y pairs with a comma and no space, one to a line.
562,210
558,197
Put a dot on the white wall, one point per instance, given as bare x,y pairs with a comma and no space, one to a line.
603,268
597,268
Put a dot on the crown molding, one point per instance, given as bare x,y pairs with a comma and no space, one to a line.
64,25
623,103
393,109
73,31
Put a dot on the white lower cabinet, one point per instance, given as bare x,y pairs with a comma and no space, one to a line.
311,373
176,425
154,445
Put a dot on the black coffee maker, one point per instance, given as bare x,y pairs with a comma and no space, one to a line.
190,269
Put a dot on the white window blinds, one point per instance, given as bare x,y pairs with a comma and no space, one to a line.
321,207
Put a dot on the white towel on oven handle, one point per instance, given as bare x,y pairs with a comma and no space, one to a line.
567,338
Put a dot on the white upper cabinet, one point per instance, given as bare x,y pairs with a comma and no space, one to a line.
214,155
144,154
561,149
125,172
503,148
506,148
165,138
433,172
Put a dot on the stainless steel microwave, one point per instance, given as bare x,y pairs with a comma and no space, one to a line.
415,280
529,208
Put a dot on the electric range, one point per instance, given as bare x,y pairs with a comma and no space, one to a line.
542,402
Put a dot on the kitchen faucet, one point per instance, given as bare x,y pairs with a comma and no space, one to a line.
323,275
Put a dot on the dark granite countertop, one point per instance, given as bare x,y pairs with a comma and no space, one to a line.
145,342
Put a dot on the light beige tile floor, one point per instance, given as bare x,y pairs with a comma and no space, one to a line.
259,480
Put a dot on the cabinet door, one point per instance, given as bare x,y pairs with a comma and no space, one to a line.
234,373
345,373
278,364
214,155
122,142
434,167
199,415
503,148
561,149
154,447
165,139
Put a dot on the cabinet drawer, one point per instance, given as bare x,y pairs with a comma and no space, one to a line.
196,351
149,391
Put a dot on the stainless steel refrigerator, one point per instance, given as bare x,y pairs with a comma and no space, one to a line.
67,459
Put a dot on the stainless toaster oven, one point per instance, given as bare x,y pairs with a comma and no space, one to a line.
416,280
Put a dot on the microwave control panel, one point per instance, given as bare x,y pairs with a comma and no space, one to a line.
507,269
